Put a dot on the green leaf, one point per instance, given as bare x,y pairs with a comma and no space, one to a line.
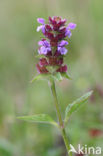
39,118
40,77
66,75
57,76
76,104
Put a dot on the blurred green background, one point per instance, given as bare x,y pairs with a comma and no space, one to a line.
18,48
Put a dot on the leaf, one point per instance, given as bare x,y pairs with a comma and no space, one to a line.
39,118
66,75
40,77
76,104
57,76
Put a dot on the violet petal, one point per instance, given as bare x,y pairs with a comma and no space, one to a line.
62,43
62,50
68,33
39,28
41,20
72,26
43,50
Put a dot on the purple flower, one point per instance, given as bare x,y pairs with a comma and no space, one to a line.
45,47
41,20
41,27
62,50
71,26
44,43
62,43
52,46
68,33
42,50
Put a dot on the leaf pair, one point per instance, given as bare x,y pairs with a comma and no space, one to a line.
44,118
56,76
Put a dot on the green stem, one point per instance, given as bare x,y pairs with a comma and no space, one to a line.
61,124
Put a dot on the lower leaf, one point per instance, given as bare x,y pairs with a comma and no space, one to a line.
39,118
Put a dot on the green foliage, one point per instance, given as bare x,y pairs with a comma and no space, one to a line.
55,76
41,77
66,75
40,118
59,76
76,104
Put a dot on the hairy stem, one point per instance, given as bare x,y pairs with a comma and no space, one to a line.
61,124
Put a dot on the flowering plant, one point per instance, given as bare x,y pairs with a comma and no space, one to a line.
52,50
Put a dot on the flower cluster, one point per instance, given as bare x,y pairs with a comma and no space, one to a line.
52,47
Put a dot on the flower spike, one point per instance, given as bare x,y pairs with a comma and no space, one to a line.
52,47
